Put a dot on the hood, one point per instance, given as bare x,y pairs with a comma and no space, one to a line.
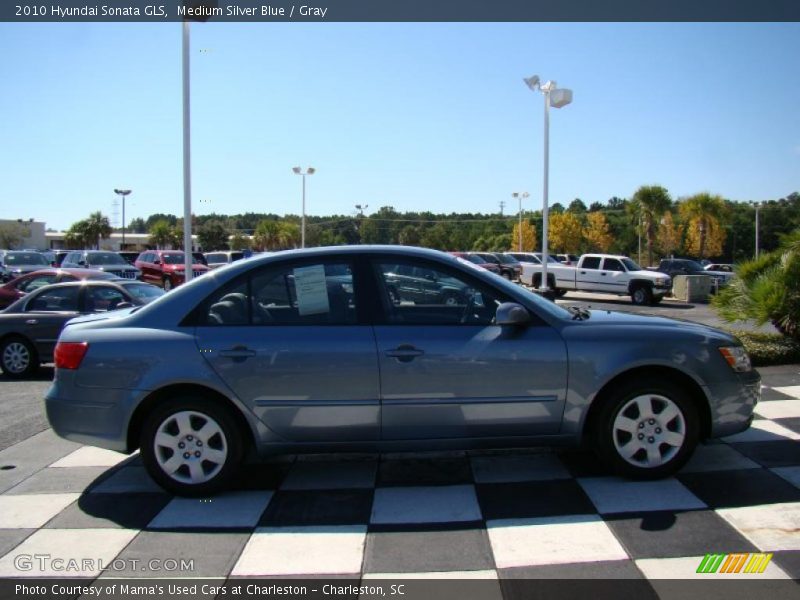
649,274
721,274
607,318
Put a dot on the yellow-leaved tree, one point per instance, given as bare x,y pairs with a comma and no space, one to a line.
565,232
703,215
668,238
528,238
597,233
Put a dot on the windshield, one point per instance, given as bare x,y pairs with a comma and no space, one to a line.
507,260
25,258
550,258
144,291
693,265
105,258
176,259
474,258
630,265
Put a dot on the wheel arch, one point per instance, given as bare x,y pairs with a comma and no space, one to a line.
656,373
181,389
634,284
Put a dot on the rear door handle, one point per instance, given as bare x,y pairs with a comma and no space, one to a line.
31,322
405,353
237,352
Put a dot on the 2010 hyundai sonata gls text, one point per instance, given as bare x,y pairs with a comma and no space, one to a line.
315,350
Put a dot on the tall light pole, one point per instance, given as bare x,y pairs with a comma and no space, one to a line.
520,195
299,171
122,193
557,98
757,206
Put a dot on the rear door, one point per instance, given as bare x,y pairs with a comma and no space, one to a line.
588,273
288,340
44,316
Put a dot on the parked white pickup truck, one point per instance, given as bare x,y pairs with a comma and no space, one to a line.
605,273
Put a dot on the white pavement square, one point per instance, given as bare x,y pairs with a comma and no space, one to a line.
430,504
616,495
89,456
552,540
326,550
230,510
770,527
66,552
486,574
32,510
779,409
526,467
763,431
791,390
128,480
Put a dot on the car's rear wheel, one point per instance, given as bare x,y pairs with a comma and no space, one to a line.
167,284
647,430
18,358
192,446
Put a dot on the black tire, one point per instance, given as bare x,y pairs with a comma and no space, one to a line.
642,295
656,300
229,440
621,402
559,293
507,275
18,358
167,283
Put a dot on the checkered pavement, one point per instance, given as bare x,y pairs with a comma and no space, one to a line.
513,514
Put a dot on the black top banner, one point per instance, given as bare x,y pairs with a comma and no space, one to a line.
399,10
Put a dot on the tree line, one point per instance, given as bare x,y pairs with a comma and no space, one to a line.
703,225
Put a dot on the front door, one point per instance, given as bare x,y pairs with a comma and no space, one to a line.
287,341
447,371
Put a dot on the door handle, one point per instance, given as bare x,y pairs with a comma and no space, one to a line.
405,353
603,274
583,272
237,352
31,322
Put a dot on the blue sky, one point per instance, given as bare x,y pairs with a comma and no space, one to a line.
417,116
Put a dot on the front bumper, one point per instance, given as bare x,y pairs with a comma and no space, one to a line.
733,402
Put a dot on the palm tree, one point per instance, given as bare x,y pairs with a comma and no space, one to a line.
162,234
288,235
706,211
648,204
267,235
96,227
766,289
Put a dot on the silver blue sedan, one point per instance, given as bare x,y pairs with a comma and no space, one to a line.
308,351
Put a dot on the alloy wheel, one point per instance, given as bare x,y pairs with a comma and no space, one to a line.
649,431
190,447
16,357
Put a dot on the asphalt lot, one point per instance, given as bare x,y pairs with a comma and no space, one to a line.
498,516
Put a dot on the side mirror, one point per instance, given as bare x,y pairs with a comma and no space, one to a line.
156,262
125,304
511,313
81,263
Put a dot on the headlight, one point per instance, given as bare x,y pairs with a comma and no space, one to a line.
737,358
661,281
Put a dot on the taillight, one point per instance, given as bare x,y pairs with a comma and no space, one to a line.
68,355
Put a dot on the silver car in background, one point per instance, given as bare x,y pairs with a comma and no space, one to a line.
307,351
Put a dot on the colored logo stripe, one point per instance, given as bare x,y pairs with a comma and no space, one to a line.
737,562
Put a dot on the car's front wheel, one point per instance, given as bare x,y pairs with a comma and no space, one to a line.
167,284
642,296
647,430
191,446
18,358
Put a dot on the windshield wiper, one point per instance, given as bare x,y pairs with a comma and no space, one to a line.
578,313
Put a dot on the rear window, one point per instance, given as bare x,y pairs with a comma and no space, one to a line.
591,262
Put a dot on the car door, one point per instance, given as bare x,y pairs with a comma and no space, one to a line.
588,274
447,371
613,276
288,341
45,313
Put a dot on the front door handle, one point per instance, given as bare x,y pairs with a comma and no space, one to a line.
405,353
31,322
237,352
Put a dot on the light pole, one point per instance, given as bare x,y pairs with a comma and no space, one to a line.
123,193
520,195
557,98
299,171
757,206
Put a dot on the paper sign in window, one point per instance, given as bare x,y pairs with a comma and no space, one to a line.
312,290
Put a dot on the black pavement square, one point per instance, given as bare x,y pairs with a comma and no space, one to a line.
266,476
531,499
129,511
424,471
792,423
782,453
604,580
424,550
584,463
747,487
318,507
11,538
181,554
668,534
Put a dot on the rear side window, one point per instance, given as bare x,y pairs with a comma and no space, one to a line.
55,300
307,294
591,262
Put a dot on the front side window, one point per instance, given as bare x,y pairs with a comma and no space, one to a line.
441,297
55,300
612,264
102,299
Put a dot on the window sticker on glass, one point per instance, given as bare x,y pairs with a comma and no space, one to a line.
312,290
